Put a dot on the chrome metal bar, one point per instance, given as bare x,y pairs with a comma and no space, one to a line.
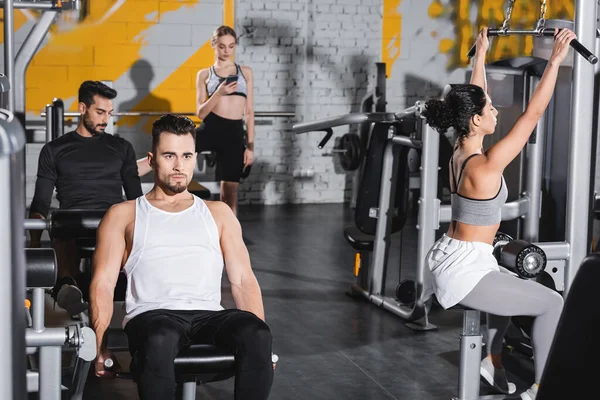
340,120
36,224
382,241
534,161
406,141
50,372
33,381
259,114
429,204
12,257
580,154
47,337
33,5
37,309
9,52
6,262
26,52
510,32
49,123
516,209
555,250
406,112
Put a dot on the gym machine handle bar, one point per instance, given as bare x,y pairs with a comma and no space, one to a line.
258,114
348,119
575,44
46,5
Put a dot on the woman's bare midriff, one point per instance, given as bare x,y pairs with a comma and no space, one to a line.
230,107
472,233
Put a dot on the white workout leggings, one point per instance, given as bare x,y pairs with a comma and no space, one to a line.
501,296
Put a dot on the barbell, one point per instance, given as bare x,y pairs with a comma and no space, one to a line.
349,152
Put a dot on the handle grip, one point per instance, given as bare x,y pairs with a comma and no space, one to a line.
326,138
490,32
549,32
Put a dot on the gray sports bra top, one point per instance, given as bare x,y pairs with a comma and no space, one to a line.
215,80
483,212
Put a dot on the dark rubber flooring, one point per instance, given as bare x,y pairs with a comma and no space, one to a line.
332,346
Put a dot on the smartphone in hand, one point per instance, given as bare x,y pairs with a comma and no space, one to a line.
230,79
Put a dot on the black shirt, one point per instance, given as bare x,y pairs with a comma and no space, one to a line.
88,172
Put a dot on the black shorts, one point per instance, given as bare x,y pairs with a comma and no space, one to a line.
225,137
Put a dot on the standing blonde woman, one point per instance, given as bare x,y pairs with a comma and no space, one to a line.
224,101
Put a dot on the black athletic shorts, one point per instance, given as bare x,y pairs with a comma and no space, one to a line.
225,137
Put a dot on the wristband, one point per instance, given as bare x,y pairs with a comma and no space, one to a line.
250,146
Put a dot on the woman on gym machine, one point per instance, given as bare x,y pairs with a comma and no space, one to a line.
465,270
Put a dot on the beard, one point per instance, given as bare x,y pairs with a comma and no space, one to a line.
175,187
89,125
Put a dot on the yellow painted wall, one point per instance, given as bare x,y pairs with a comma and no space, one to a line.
489,13
101,43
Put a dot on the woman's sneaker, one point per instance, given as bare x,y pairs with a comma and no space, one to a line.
531,393
496,377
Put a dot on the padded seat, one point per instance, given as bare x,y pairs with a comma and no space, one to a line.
40,270
204,363
198,364
358,240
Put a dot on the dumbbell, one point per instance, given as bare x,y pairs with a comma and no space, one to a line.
519,256
109,363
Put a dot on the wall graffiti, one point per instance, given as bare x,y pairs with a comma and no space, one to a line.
525,15
122,41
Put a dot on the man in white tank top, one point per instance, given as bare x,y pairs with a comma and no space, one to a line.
173,246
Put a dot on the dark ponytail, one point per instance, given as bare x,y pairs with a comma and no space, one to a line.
460,104
438,115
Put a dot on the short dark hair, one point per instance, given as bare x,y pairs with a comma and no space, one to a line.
89,89
176,124
457,108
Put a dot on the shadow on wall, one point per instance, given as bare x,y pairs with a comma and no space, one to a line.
285,85
141,73
251,189
133,129
416,88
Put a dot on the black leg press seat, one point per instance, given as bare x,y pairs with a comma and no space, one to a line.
196,364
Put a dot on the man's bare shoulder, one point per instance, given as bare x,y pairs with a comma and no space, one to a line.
220,211
120,214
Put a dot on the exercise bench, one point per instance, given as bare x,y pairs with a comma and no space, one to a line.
471,343
195,364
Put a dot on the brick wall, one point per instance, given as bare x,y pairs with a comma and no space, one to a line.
310,57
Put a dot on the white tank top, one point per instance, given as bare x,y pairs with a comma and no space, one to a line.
175,262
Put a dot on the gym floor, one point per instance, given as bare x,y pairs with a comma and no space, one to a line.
331,346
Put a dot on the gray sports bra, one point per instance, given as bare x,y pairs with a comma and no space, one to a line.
475,211
215,80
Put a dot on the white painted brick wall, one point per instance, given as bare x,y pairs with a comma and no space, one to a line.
312,58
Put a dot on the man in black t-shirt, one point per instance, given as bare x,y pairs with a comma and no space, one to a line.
89,169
